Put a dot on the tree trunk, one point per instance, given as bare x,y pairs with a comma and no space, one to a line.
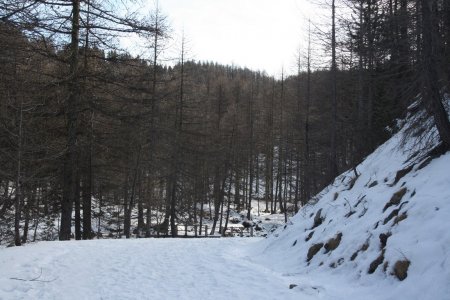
18,198
204,196
279,189
217,201
251,154
333,158
36,212
447,38
77,207
268,179
307,161
237,190
149,207
87,210
431,89
228,206
173,203
141,223
130,205
27,208
88,185
100,213
222,200
72,116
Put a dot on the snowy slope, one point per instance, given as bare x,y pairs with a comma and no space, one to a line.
412,231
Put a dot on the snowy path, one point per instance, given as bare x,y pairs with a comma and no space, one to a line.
138,269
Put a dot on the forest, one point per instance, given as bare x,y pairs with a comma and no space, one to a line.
91,133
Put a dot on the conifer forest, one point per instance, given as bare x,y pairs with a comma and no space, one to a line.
97,141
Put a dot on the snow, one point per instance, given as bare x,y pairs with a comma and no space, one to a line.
255,268
358,213
138,269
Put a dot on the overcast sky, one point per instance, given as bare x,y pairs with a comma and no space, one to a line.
258,34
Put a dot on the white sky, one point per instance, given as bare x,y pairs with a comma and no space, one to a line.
259,34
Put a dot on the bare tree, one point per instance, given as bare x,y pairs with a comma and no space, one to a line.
430,89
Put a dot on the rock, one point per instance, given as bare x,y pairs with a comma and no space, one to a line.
401,269
234,220
336,195
373,184
318,219
378,261
396,198
247,224
383,239
333,243
313,250
401,174
400,218
309,236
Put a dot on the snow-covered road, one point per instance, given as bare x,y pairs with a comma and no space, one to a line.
138,269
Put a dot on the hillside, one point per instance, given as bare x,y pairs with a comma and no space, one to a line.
383,234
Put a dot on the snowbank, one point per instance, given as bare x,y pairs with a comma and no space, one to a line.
381,235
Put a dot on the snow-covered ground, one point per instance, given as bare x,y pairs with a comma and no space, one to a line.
138,269
384,234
